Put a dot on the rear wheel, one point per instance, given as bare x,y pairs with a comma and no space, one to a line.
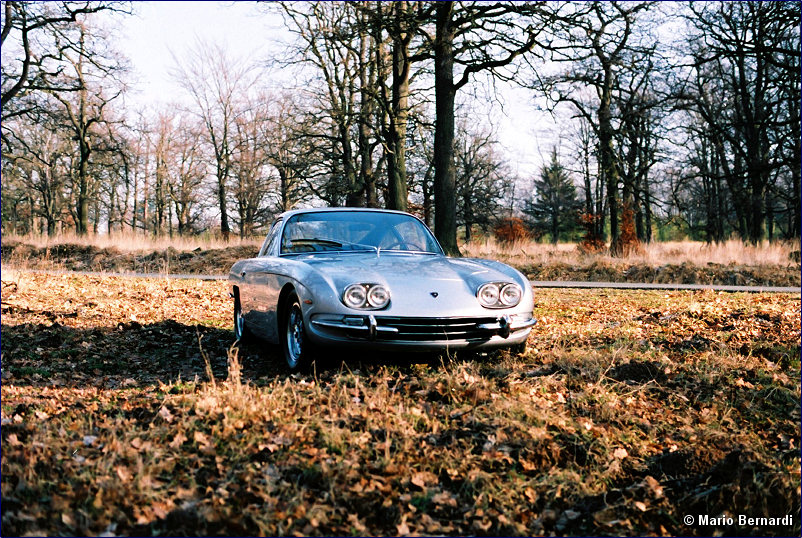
294,342
241,331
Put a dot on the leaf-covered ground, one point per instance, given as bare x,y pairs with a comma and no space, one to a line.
629,411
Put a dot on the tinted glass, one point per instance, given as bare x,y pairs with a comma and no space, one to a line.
270,241
356,230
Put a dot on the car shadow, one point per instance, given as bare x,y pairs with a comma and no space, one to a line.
134,354
127,354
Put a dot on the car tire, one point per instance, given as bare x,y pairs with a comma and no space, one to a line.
241,331
295,344
518,349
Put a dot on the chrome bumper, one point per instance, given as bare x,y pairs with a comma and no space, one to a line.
371,328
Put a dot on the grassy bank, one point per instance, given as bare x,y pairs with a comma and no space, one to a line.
126,411
732,263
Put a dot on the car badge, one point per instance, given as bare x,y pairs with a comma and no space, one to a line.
434,294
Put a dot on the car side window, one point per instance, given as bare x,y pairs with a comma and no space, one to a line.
270,242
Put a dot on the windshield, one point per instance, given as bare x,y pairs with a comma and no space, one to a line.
328,231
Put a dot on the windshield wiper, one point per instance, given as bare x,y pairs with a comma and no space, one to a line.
332,243
316,241
369,247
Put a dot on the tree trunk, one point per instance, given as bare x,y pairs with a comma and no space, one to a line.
82,208
607,158
397,197
427,195
225,230
445,202
352,197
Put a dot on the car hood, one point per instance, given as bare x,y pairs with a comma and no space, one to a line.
417,282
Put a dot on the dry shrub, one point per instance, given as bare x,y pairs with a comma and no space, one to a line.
591,243
627,243
510,230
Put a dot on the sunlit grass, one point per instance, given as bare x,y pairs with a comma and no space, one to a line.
524,252
130,242
654,254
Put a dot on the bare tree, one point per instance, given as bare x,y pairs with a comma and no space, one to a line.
288,151
250,165
743,76
600,41
43,166
217,84
24,24
94,81
482,179
584,149
476,37
189,172
335,39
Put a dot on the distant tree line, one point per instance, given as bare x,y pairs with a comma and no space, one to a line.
681,115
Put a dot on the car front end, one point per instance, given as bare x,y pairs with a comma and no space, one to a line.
419,303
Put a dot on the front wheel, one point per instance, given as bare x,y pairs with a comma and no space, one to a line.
518,349
294,342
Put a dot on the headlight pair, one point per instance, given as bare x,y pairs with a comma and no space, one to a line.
499,294
366,296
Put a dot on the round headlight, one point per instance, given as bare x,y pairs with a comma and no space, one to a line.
488,295
355,296
510,295
378,296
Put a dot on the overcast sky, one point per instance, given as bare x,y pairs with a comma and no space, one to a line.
159,30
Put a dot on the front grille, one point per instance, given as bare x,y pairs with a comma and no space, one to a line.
434,329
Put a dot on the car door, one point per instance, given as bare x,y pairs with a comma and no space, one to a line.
262,286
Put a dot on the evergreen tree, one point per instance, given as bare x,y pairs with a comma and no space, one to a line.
553,206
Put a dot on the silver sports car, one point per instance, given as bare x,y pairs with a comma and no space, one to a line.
373,279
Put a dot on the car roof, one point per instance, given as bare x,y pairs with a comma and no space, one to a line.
292,212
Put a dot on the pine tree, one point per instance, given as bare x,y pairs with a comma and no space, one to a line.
553,206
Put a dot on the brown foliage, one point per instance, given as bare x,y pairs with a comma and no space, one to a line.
630,410
510,230
592,243
627,243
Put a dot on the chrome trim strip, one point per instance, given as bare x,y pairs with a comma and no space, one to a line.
337,325
525,325
504,324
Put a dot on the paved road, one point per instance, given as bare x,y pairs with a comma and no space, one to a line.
660,286
535,283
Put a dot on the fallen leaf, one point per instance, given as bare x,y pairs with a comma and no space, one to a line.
178,440
423,479
123,473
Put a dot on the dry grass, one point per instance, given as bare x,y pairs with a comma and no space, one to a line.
134,242
732,263
629,410
521,253
654,254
